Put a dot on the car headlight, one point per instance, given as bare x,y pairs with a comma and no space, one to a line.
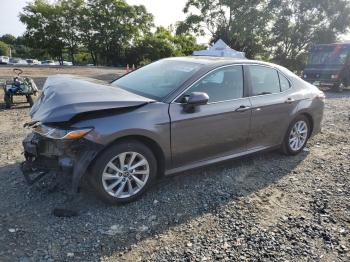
58,133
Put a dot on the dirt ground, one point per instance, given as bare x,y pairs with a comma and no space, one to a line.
39,73
265,207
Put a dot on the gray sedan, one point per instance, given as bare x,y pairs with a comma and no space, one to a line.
170,116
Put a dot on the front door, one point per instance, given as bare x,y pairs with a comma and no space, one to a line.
216,129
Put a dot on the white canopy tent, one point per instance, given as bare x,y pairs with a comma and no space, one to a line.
220,49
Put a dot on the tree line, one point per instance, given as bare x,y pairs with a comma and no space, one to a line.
107,32
112,32
276,30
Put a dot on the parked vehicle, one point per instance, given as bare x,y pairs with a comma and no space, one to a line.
33,62
48,62
172,115
20,86
329,65
4,60
17,61
66,63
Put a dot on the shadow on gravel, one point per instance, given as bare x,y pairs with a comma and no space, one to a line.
30,230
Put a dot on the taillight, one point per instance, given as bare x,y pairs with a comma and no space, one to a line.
321,96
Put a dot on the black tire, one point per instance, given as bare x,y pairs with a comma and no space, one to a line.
30,100
286,147
339,87
98,167
8,99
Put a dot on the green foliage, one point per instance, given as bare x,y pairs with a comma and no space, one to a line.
4,49
110,26
303,23
240,23
162,44
110,32
44,27
278,30
8,39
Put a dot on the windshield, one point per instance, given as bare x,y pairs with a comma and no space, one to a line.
158,79
329,55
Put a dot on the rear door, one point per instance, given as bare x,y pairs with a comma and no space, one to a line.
272,106
216,129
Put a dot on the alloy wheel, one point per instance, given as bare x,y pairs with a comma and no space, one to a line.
125,175
298,135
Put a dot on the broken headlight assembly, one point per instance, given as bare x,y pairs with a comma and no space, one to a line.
59,133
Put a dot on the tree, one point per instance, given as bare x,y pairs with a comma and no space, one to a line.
111,26
162,43
4,49
299,24
42,20
8,39
240,23
69,19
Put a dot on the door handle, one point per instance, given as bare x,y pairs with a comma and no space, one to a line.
243,108
290,100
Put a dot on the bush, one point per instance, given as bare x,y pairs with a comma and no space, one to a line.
4,49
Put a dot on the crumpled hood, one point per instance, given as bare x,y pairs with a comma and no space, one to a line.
65,96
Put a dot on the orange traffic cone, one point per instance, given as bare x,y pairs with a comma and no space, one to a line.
127,69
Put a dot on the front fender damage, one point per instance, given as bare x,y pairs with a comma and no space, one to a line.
57,158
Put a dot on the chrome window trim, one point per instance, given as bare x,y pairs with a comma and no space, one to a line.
221,67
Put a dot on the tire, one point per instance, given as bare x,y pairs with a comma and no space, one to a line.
8,99
292,146
107,182
339,87
30,100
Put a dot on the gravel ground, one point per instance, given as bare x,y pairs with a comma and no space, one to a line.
265,207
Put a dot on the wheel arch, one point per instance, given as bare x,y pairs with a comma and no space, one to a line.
311,121
152,144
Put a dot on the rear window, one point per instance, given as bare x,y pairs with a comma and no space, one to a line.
285,84
265,80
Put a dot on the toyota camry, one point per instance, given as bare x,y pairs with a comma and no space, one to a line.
173,115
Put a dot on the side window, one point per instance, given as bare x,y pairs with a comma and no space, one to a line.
285,84
222,85
265,80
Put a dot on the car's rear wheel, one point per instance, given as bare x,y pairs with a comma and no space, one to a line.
297,136
123,172
339,87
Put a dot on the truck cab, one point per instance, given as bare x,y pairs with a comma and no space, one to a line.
329,65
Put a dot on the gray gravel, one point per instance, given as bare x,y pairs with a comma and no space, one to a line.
265,207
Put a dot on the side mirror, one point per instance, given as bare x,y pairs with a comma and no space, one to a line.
195,99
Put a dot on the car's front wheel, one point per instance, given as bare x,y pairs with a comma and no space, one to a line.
297,136
123,172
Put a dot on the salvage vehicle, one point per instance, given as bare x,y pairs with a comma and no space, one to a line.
170,116
329,66
19,86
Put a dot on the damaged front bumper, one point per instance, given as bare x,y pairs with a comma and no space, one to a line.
46,156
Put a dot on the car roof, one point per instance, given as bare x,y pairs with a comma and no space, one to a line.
218,61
